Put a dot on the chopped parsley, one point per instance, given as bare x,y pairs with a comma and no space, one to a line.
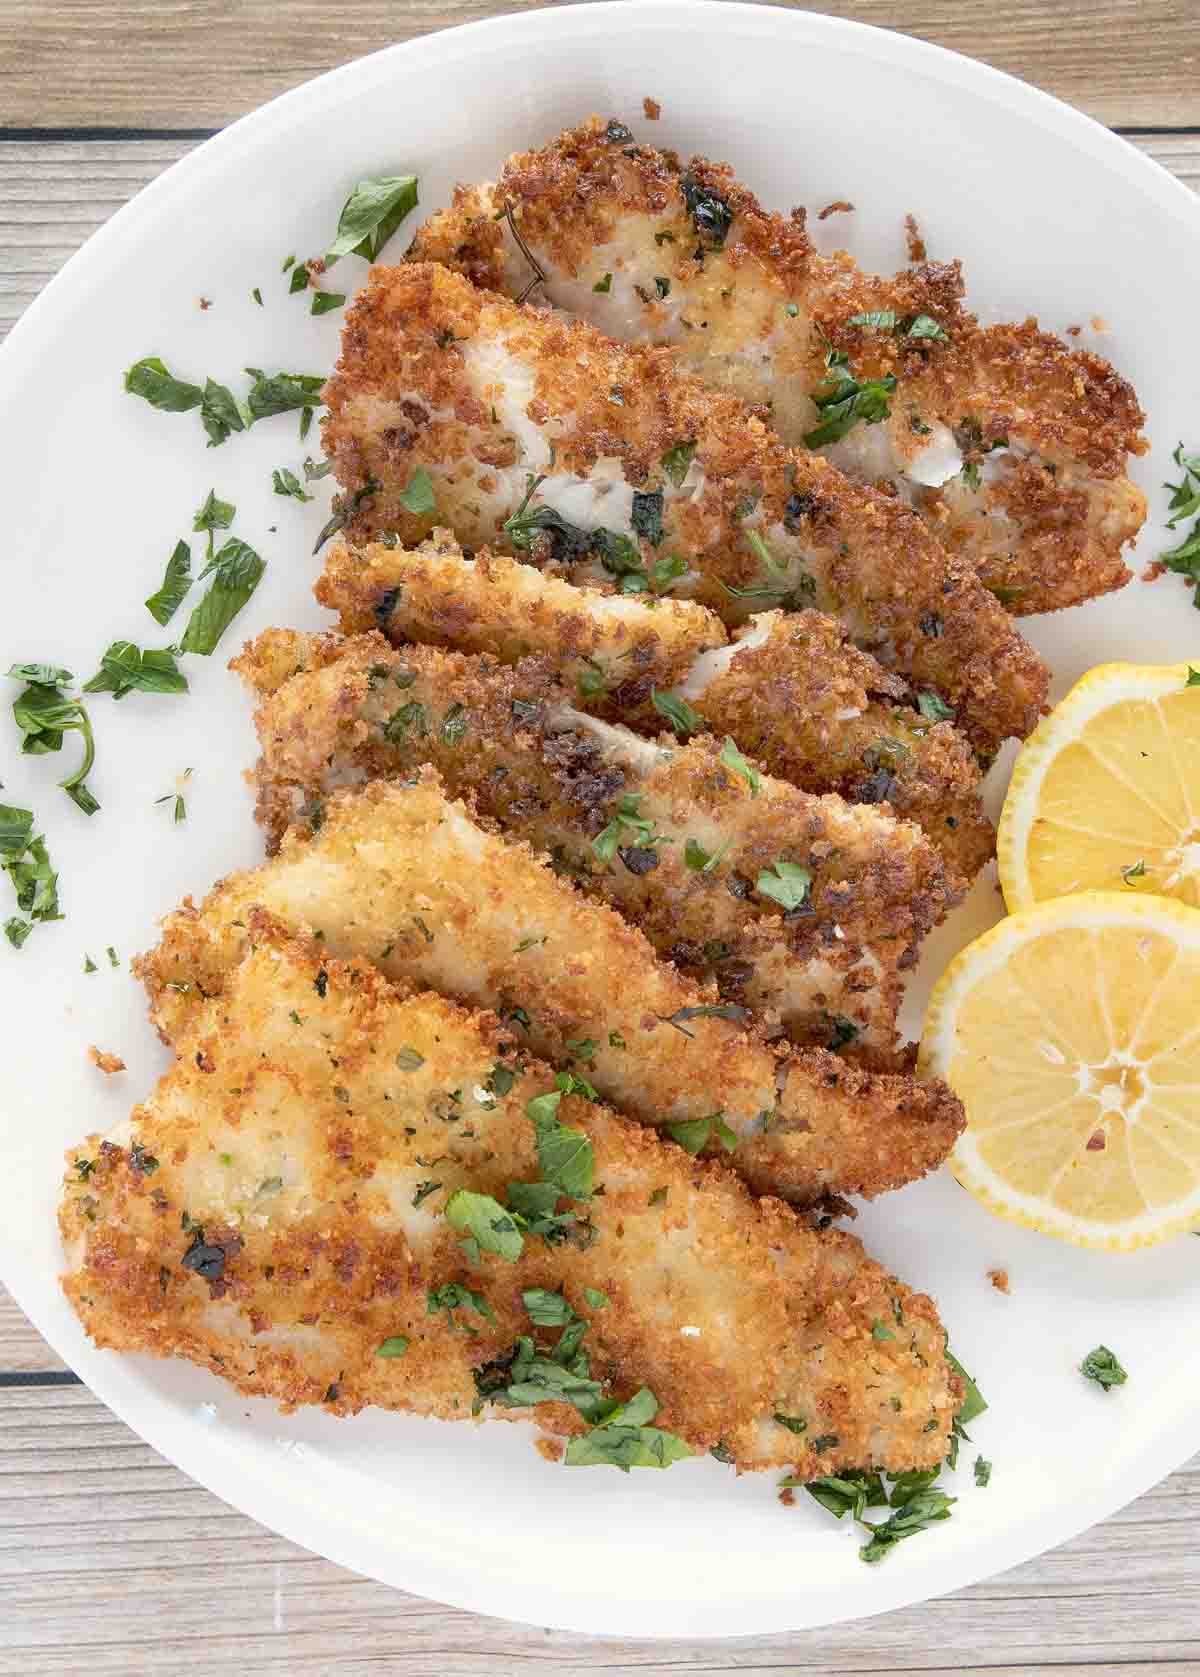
595,1298
786,883
934,708
565,1156
850,1492
710,1010
699,859
44,714
625,826
324,302
1136,870
454,1296
423,1191
918,1513
285,482
983,1471
904,326
677,460
454,724
26,861
647,515
711,215
1102,1367
417,495
842,1032
409,1060
1184,560
732,758
395,1346
844,402
485,1225
693,1134
603,285
177,579
125,668
180,810
626,1440
236,571
678,713
371,214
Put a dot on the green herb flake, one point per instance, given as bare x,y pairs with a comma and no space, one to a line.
395,1346
275,393
983,1471
409,1060
454,1296
114,960
603,285
484,1220
934,708
371,214
89,965
786,883
1136,870
880,1332
845,1493
454,724
285,482
596,1299
565,1156
236,571
694,1134
177,579
124,668
324,302
1102,1367
920,1512
44,714
845,402
417,496
793,1423
732,758
677,712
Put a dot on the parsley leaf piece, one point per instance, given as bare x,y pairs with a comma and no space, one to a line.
417,496
595,1298
848,1493
925,326
150,380
677,712
27,864
786,883
843,402
219,412
603,285
485,1221
214,514
920,1512
973,1404
1102,1366
711,215
281,392
733,759
371,214
547,1309
693,1134
314,470
793,1423
625,1441
301,279
236,571
324,302
934,708
677,460
881,320
285,482
454,1296
565,1156
124,668
983,1471
395,1346
17,930
16,826
699,859
647,516
626,824
177,579
44,713
710,1010
1136,870
880,1332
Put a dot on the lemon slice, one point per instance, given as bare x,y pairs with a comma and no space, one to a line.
1105,793
1071,1034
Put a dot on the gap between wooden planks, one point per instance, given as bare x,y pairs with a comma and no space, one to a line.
199,63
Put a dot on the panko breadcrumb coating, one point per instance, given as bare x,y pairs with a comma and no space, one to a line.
662,831
404,876
819,712
1011,446
277,1212
537,434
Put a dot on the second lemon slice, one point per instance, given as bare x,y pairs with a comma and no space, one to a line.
1072,1036
1105,794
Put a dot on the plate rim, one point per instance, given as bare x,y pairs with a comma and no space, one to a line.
214,1462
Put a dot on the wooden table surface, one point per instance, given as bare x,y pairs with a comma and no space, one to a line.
110,1559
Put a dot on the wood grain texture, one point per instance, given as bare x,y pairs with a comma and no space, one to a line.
199,63
53,194
104,1547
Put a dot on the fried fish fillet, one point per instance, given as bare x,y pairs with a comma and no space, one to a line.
1012,447
284,1211
802,908
790,687
538,434
404,876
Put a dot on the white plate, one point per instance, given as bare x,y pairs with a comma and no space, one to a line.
1051,215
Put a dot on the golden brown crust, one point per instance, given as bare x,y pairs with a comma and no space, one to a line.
507,739
582,199
419,339
274,1141
402,875
814,709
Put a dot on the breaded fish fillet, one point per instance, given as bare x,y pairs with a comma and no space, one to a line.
802,908
286,1210
818,712
537,434
402,875
1012,447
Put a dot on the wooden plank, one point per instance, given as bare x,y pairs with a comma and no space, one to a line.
53,194
108,62
22,1348
105,1548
